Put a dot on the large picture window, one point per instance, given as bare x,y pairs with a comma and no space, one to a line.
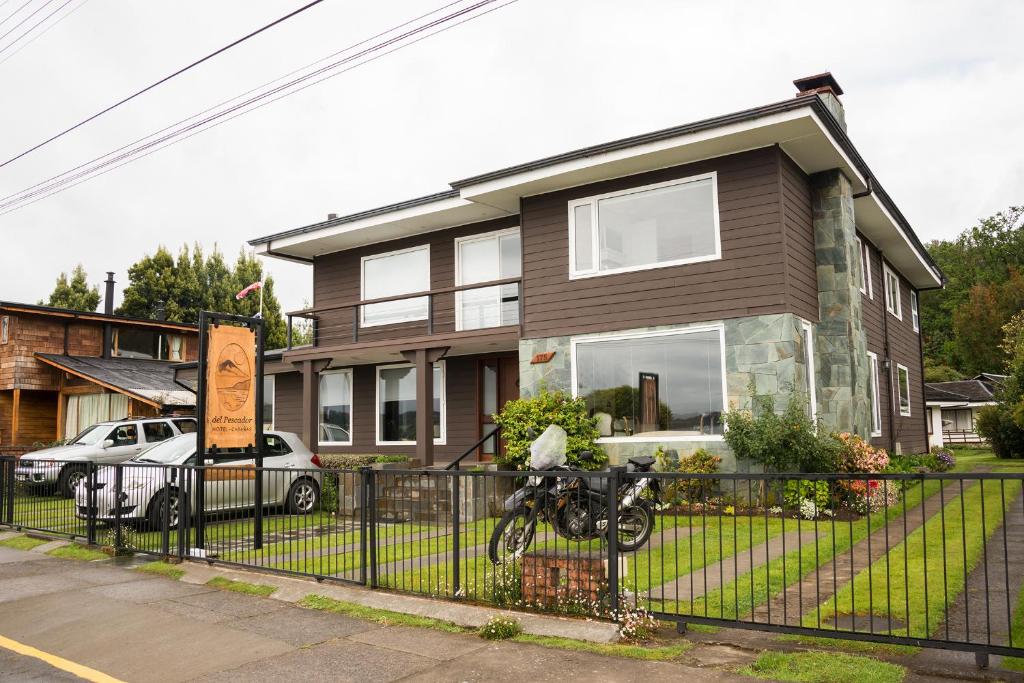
653,386
393,274
876,407
335,426
483,258
645,227
903,389
396,404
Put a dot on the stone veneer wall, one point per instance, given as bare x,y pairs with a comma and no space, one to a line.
765,352
844,401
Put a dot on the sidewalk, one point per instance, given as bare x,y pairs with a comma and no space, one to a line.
135,626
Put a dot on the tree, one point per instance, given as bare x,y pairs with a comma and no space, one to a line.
1003,424
978,321
941,373
195,282
74,294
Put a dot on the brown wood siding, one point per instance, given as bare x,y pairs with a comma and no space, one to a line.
6,410
288,402
748,279
904,348
37,419
798,234
337,279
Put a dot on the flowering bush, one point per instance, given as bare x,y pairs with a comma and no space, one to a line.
500,628
637,624
799,490
775,510
857,455
942,459
808,509
871,496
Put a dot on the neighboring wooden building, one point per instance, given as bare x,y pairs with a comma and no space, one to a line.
663,278
62,370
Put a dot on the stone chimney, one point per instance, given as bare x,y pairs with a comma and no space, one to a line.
108,295
826,87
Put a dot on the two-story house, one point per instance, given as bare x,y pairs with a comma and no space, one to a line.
662,277
62,370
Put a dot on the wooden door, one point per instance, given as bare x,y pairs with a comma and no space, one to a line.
498,380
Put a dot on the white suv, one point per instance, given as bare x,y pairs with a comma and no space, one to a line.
104,443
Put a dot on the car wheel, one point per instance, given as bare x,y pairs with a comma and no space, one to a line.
303,497
166,498
70,477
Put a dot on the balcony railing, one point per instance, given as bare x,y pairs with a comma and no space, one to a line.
328,329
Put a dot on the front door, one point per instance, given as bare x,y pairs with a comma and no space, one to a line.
499,383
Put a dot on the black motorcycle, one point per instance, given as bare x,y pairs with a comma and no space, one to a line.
576,507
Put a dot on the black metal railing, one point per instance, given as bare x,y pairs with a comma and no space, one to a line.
911,559
342,323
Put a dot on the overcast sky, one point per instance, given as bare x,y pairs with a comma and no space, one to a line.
933,101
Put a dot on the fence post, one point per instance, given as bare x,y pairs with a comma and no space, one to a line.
363,519
455,535
11,464
200,494
183,511
90,503
165,527
615,476
371,521
118,488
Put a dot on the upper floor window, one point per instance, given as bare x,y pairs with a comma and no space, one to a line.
482,258
659,225
809,374
863,270
892,292
131,342
392,274
903,389
913,311
5,329
876,406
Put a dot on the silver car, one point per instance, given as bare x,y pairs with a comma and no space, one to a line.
150,482
104,443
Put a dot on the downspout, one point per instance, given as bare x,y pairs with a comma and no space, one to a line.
888,357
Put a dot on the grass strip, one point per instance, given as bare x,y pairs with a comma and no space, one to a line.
823,667
650,653
257,589
162,569
22,543
930,556
856,646
78,552
1016,634
378,616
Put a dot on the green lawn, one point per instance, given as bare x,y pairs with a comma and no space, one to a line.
929,556
257,589
22,543
823,667
78,552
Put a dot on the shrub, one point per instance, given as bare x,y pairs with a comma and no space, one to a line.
943,459
857,455
352,461
500,628
637,624
785,442
690,490
996,424
799,490
547,408
329,492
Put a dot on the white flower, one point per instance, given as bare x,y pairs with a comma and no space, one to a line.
808,509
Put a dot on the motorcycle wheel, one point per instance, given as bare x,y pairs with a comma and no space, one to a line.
635,525
511,537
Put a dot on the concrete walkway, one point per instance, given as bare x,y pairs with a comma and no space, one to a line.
134,626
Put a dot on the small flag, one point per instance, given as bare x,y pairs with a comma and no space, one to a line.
249,290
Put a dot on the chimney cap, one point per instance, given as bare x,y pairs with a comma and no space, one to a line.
823,82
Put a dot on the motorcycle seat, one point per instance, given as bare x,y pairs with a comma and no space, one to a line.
641,461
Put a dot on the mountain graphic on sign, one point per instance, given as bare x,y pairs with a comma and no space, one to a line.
232,378
229,367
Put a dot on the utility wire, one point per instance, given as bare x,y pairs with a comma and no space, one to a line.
162,80
90,169
34,12
8,17
41,33
32,28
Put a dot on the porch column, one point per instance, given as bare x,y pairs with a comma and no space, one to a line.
935,415
310,370
423,360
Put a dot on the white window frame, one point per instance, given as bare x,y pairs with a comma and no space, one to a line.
915,316
899,405
867,271
574,343
459,241
351,407
876,396
362,285
895,308
592,202
442,440
273,400
812,397
862,267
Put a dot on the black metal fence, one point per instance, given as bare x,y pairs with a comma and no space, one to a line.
915,559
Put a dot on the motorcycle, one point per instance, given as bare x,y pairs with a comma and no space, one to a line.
576,507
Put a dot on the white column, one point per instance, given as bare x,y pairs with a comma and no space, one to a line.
935,415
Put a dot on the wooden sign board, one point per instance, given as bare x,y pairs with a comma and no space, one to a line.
230,388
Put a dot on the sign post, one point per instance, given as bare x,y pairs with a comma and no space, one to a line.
229,404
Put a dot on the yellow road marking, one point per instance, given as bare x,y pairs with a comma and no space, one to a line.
79,670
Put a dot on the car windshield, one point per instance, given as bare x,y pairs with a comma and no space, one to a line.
92,435
170,452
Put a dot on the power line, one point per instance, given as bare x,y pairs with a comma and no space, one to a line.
32,14
41,33
33,27
162,80
109,162
8,17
